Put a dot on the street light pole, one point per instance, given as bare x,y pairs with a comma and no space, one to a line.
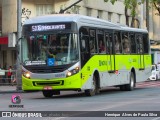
147,15
18,46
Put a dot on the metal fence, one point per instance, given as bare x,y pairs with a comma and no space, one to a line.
5,80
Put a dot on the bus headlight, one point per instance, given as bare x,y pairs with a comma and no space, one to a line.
73,71
27,75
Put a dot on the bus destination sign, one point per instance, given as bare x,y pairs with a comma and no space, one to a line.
37,28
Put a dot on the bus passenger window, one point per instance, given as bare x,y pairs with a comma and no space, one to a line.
101,42
145,42
109,44
126,44
117,44
92,43
92,46
102,48
133,43
139,44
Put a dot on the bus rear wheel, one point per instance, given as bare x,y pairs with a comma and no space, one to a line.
131,85
94,90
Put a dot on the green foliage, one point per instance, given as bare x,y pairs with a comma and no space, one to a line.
112,1
129,4
132,4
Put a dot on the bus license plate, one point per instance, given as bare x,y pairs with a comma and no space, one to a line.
47,88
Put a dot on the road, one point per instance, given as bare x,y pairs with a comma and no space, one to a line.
145,97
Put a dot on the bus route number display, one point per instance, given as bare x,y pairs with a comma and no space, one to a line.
48,27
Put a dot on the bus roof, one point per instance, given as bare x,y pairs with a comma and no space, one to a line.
80,19
134,29
68,18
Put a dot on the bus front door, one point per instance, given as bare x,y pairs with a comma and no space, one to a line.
84,51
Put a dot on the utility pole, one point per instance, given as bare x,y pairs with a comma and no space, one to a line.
18,46
147,14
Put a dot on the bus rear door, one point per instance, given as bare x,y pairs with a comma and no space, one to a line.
110,56
140,51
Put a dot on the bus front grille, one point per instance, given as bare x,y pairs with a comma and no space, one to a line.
48,83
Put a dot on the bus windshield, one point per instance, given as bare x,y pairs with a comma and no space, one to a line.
50,49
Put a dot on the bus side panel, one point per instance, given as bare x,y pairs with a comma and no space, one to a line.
123,65
123,62
147,61
96,62
103,64
143,74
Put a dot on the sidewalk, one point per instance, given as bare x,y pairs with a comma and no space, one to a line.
9,89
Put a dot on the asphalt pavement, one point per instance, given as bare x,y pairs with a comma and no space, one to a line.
13,88
9,89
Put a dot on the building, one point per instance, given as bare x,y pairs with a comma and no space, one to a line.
32,8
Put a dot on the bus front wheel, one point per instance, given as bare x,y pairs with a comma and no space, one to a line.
47,93
94,90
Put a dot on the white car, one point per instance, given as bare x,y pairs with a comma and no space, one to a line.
155,74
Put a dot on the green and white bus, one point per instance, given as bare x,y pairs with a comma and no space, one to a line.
75,52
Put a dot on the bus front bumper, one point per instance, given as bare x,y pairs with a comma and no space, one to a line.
70,83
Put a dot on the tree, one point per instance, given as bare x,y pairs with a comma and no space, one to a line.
129,5
149,3
132,4
156,4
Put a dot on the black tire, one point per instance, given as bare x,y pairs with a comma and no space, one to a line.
131,85
122,87
95,90
156,77
47,93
